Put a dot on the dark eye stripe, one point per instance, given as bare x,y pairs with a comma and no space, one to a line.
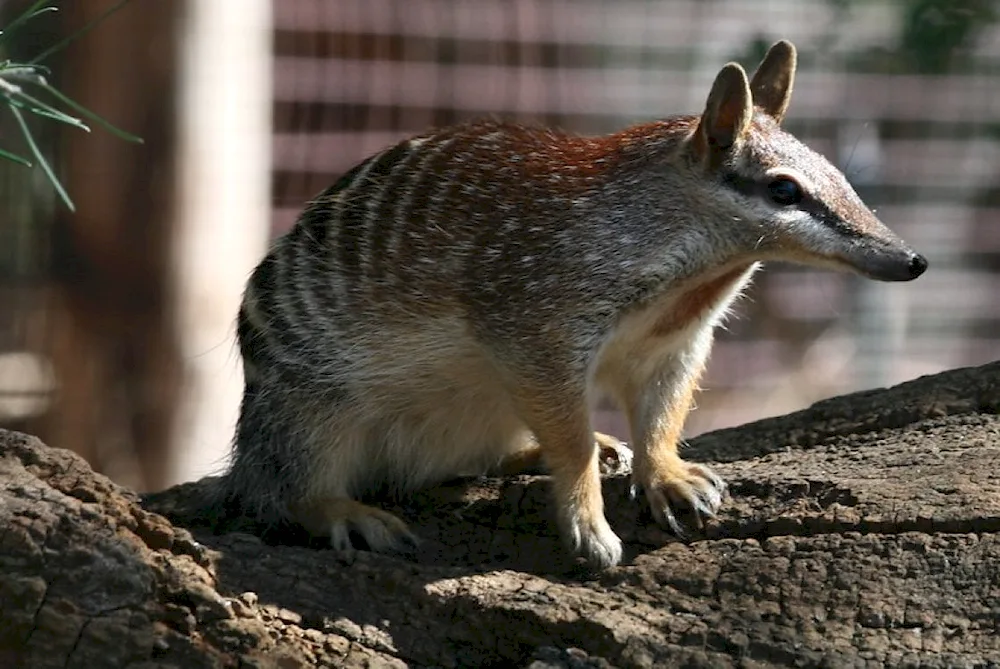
743,185
749,187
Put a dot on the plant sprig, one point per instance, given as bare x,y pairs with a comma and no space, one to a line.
15,77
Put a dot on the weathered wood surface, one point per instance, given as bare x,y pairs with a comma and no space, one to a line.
864,531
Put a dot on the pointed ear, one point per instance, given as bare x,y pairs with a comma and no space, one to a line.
772,82
728,110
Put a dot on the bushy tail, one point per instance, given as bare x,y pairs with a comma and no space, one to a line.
265,474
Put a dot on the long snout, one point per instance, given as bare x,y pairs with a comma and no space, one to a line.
902,264
883,258
874,251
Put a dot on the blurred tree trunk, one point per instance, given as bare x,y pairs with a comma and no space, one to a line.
114,344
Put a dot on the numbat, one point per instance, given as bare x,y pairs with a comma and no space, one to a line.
455,302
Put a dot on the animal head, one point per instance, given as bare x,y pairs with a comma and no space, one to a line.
799,207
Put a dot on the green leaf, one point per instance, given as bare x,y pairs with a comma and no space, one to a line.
32,73
25,74
13,157
60,117
8,65
63,195
25,16
92,116
61,44
36,106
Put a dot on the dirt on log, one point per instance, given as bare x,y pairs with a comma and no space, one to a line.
864,531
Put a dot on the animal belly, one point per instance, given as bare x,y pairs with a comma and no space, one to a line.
436,412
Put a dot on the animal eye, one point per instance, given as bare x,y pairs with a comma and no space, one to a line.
784,191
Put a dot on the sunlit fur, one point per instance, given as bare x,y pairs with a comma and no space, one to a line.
465,295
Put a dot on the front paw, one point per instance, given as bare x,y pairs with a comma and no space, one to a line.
682,485
591,537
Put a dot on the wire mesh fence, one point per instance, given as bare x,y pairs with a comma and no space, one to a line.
901,95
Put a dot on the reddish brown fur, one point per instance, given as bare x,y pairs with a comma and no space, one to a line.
694,302
536,153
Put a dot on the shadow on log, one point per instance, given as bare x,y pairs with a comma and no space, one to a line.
861,532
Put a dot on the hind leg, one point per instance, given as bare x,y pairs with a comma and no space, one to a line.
336,517
325,505
614,457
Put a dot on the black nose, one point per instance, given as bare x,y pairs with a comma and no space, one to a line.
917,266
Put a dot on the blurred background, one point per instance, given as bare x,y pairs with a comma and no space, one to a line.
116,321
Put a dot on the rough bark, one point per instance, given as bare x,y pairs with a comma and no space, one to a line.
861,532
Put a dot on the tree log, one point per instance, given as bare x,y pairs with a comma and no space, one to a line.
863,531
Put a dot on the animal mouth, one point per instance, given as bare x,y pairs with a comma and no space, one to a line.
903,265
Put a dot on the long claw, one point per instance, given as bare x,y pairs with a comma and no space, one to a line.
703,509
693,487
672,522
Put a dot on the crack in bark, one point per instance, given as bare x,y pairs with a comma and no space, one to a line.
76,642
34,617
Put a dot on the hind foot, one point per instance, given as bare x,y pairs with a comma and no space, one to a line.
614,457
337,517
